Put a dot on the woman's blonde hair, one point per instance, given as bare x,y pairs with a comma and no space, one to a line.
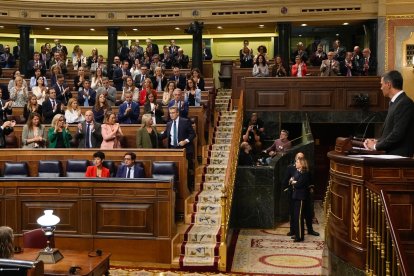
70,102
56,119
6,242
145,119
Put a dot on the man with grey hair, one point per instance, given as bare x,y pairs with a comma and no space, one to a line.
108,90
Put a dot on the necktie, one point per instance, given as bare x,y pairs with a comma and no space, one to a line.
175,134
53,104
128,173
86,103
87,135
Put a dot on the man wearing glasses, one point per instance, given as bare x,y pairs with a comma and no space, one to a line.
129,169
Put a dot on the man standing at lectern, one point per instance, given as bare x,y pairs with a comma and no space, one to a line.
397,132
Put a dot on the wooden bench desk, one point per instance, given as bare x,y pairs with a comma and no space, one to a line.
91,266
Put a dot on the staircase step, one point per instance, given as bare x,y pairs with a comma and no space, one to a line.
212,186
216,169
214,177
199,250
203,234
203,208
194,261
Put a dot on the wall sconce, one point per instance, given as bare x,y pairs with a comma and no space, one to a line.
48,223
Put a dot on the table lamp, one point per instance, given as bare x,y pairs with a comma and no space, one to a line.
48,223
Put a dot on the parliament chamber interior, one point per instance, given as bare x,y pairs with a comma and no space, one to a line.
200,109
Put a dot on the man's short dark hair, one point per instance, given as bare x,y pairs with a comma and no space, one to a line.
133,155
395,78
99,154
285,131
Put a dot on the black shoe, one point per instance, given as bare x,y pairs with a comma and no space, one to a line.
298,240
293,237
290,233
313,233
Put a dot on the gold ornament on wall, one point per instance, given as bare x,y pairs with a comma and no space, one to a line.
356,215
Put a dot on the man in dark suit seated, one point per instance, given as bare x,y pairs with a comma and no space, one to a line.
180,134
89,132
128,111
7,60
398,132
179,103
179,79
51,107
129,169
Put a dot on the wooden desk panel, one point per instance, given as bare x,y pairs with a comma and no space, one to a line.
108,214
93,266
32,157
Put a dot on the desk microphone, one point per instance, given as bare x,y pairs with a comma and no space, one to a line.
369,122
366,121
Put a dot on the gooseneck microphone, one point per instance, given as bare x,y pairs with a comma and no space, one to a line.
366,128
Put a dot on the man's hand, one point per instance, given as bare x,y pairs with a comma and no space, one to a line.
182,143
370,144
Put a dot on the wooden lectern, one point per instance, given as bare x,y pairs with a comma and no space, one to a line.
354,180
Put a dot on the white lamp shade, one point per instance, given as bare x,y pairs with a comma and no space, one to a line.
48,219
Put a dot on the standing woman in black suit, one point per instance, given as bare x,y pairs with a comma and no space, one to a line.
300,182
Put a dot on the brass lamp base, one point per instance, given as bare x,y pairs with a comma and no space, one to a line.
50,257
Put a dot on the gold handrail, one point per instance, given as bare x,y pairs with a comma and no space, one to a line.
227,198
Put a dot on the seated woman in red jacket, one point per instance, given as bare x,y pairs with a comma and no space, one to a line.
98,170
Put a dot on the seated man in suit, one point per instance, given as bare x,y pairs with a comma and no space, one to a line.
179,103
86,96
129,169
36,63
180,81
128,111
89,132
51,107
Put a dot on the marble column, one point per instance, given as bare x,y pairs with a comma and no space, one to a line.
24,48
282,42
112,45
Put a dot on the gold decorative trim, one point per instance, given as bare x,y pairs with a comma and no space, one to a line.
356,231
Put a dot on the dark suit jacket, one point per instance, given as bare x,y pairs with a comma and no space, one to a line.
185,131
207,55
300,188
397,133
47,111
138,82
96,135
62,49
181,62
183,108
155,83
3,133
31,67
117,78
5,112
91,100
64,98
130,118
16,52
91,172
122,171
180,83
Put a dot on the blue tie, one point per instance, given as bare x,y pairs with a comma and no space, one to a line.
129,173
174,134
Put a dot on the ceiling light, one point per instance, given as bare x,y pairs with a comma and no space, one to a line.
337,34
177,28
261,26
219,27
345,23
47,29
135,29
1,27
92,29
304,24
300,35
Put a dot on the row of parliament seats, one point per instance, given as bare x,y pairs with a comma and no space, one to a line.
76,168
